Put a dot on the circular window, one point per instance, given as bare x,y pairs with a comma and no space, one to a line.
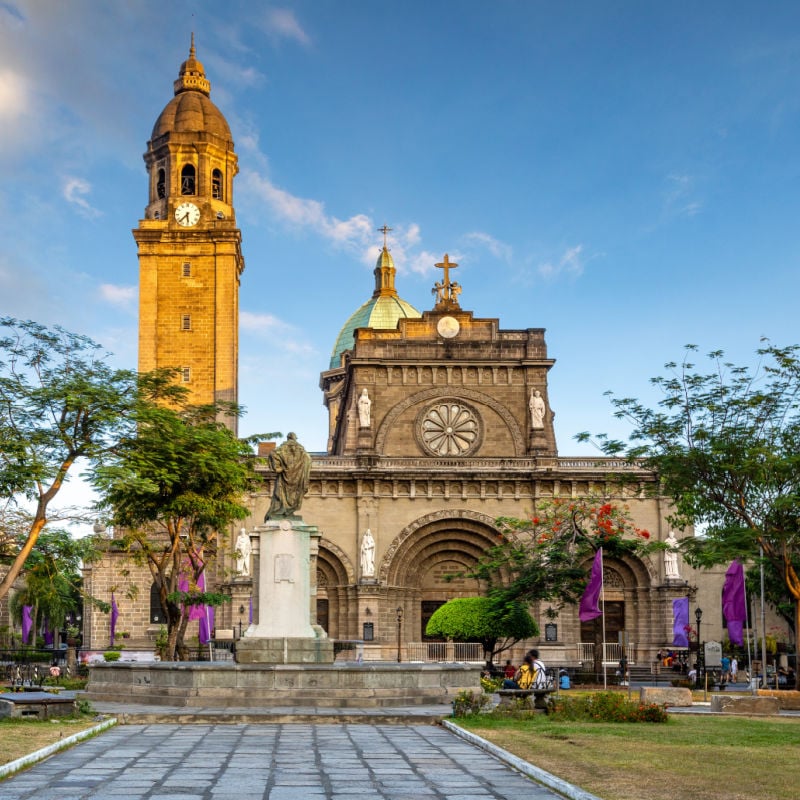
449,428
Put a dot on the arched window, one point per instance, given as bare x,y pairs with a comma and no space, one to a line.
216,184
156,612
161,184
188,180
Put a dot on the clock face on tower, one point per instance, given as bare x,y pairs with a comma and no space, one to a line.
187,214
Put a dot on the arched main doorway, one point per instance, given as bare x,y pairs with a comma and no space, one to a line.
426,564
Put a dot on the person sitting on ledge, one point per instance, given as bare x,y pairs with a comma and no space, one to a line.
523,678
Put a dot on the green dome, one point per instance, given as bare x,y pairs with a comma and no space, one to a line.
382,310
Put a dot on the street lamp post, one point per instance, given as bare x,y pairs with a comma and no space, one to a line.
399,630
241,615
699,665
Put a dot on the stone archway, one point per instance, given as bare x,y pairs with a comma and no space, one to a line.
422,560
335,577
629,601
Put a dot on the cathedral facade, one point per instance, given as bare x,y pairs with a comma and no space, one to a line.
439,423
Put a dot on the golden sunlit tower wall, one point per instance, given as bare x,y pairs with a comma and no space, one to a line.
190,257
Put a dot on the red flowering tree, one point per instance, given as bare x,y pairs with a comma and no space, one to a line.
547,556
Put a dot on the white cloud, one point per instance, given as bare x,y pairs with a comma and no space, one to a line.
498,249
281,334
570,264
359,233
424,262
261,323
74,191
122,296
679,195
281,23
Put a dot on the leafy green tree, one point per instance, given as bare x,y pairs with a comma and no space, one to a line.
53,581
60,401
171,486
496,623
546,556
725,443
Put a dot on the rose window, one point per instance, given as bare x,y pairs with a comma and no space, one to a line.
449,429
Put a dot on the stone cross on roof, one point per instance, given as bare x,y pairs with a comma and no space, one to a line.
447,291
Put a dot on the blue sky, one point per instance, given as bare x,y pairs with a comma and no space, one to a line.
623,174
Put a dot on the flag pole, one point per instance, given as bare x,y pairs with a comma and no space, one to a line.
603,609
750,632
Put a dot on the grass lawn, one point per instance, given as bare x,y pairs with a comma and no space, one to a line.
19,737
703,758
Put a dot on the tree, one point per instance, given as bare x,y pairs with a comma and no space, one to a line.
726,446
60,401
171,486
483,619
53,580
545,557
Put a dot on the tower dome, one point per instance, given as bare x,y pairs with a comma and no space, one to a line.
191,109
382,310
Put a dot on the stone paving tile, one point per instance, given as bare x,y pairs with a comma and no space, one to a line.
273,762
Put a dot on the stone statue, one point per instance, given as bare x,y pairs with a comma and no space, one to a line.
364,404
243,551
671,559
292,465
367,555
438,290
537,407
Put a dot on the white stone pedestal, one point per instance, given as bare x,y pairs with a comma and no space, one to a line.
282,631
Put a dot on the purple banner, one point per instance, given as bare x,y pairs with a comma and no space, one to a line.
198,612
680,622
206,625
590,602
114,617
733,602
27,623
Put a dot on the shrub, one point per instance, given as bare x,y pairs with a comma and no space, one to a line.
112,655
606,707
491,685
467,703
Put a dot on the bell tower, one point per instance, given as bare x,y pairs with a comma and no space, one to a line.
190,256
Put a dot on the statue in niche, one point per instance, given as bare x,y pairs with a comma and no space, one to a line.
537,407
243,550
292,466
671,558
364,405
367,555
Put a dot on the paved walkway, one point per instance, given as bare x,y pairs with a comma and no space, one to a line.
274,762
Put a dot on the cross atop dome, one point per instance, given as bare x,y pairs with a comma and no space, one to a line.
384,230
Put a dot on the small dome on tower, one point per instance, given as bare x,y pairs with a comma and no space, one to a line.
383,310
191,110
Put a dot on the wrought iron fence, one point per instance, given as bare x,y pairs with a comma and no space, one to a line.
27,666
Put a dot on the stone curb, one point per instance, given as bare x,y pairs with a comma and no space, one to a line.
154,718
536,774
39,755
